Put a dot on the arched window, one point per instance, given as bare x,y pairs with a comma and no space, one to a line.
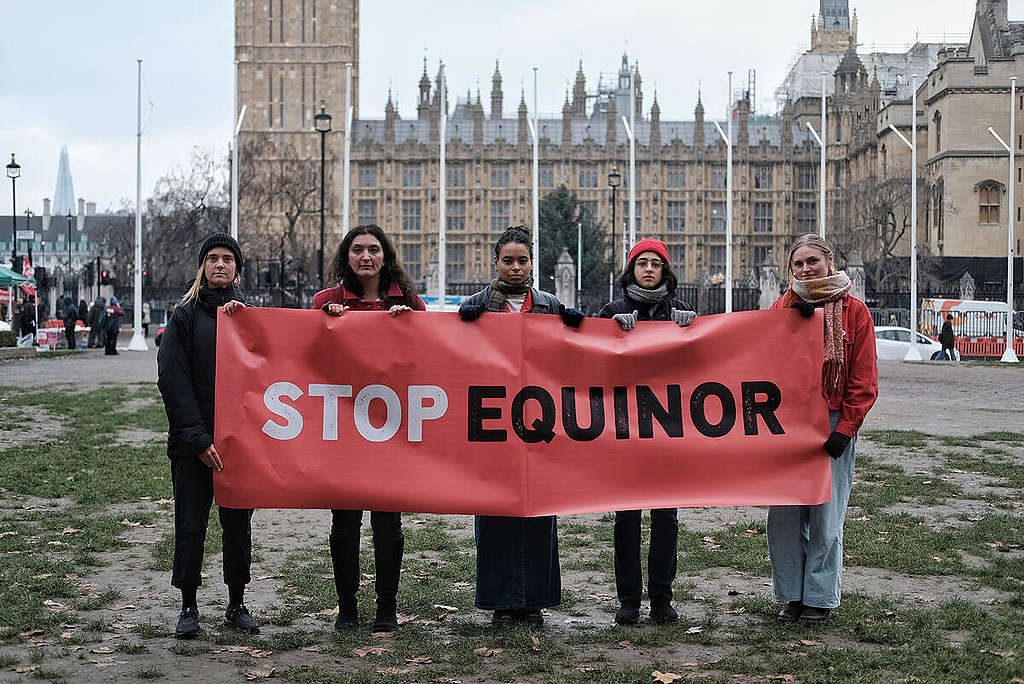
938,131
988,201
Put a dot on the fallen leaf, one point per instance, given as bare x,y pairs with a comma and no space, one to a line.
312,649
31,632
127,606
586,668
25,668
751,533
488,652
7,534
130,523
536,643
124,625
418,521
449,609
419,660
252,675
1001,654
43,576
269,577
70,530
55,543
809,642
690,664
626,644
386,671
164,501
66,635
369,650
402,619
695,630
449,680
665,677
103,649
736,610
57,605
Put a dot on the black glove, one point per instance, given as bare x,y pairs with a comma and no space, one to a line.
470,312
572,317
806,309
836,444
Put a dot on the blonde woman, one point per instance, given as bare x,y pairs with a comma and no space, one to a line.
806,542
186,366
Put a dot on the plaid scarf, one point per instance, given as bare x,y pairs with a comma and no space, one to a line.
828,292
500,291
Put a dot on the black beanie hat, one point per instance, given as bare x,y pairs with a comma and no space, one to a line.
222,240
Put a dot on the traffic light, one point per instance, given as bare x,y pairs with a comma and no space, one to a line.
104,277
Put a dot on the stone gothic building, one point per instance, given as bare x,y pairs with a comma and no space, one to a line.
292,56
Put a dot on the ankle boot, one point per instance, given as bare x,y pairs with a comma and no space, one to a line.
345,559
387,558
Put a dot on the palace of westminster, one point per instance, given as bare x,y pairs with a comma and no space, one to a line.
292,56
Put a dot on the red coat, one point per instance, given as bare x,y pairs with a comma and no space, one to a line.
340,295
860,367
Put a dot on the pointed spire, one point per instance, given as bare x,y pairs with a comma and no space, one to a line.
579,92
497,96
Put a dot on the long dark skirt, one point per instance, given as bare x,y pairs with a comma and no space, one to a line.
517,563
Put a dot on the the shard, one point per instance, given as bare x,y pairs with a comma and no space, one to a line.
64,195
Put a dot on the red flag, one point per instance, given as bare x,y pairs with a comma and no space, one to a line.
26,270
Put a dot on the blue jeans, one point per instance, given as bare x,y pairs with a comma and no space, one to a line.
806,542
517,563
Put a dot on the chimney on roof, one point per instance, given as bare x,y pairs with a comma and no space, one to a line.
81,206
46,206
90,208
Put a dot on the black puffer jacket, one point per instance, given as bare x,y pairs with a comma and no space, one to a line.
543,302
186,363
662,311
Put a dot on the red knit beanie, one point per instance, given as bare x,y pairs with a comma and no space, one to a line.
649,245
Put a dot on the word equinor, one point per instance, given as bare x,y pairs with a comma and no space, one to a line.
489,422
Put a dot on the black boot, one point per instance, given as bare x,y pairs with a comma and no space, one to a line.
387,558
345,559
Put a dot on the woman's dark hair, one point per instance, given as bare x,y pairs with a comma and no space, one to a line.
520,235
628,277
390,270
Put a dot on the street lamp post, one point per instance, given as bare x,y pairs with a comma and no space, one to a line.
13,172
614,178
322,122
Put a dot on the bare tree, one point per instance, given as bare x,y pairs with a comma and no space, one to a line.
279,202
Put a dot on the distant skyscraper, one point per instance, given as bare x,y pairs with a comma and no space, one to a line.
64,195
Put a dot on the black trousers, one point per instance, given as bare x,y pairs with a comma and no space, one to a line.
69,333
193,495
661,557
388,547
110,343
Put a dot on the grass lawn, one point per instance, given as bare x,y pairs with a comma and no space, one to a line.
934,588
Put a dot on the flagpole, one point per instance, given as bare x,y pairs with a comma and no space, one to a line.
138,342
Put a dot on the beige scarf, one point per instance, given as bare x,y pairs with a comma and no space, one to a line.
829,292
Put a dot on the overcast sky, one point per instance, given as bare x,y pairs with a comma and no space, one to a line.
69,66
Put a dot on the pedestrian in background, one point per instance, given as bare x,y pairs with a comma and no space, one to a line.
145,319
27,323
369,278
649,288
111,322
806,542
947,339
517,567
83,311
186,375
70,315
95,329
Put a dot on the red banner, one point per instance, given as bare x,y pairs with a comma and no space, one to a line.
518,415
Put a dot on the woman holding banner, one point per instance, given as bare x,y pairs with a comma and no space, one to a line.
369,278
186,369
649,288
806,542
517,570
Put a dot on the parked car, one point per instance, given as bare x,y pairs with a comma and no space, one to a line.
893,343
